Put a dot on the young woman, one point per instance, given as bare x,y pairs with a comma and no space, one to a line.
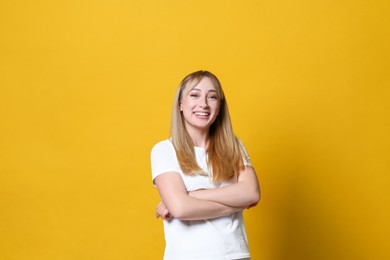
204,176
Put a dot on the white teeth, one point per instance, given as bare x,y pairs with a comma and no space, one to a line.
201,114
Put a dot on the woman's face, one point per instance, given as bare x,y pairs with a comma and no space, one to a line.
200,106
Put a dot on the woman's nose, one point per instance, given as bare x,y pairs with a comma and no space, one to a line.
203,103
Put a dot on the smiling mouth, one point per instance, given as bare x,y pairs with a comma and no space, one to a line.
201,113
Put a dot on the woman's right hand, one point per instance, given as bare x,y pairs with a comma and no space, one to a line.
162,211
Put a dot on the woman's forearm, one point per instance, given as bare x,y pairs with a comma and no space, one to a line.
190,208
236,195
185,207
244,193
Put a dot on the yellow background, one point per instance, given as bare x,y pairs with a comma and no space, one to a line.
87,88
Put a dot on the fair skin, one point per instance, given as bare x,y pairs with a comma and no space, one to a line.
200,107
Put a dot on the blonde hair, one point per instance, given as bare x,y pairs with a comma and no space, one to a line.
225,152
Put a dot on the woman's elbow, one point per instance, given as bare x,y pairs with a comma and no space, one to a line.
179,211
258,197
178,214
255,196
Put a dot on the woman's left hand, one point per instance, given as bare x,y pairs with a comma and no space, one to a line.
162,211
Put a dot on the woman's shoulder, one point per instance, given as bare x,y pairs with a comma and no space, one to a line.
244,152
164,145
240,142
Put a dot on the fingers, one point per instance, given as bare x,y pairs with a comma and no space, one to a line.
251,206
159,209
163,212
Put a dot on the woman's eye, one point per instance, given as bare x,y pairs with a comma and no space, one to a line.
214,97
193,95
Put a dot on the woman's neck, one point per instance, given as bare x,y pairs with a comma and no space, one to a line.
200,138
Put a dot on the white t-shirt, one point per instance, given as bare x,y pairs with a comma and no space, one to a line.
212,239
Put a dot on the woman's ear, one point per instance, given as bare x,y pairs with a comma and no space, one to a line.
181,109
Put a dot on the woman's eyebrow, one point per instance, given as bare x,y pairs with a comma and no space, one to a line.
211,90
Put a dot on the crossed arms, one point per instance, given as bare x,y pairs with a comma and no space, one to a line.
176,202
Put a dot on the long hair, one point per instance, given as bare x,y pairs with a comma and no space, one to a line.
225,152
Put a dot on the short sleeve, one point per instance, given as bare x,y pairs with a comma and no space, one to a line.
246,158
163,159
